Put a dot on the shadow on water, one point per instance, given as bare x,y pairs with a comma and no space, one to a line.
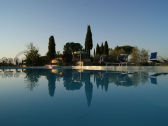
74,80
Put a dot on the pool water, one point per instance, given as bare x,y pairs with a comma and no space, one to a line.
83,98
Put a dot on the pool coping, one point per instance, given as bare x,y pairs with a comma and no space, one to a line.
107,68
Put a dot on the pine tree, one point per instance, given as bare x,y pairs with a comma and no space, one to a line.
88,41
51,48
106,48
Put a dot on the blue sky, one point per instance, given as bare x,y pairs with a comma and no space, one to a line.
142,23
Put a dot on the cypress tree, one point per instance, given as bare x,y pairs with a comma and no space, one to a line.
106,48
101,49
88,41
51,48
94,53
97,49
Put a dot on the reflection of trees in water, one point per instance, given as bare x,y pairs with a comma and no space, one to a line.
71,80
89,92
74,80
103,78
70,85
123,80
18,73
51,83
88,89
9,73
32,78
144,77
139,78
33,75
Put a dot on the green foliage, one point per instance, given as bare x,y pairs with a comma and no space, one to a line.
128,49
144,56
139,56
135,55
113,54
88,41
32,55
72,47
58,54
69,49
103,49
51,54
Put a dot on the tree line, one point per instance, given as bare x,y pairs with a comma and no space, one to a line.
33,57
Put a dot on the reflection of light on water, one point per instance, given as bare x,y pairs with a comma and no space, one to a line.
49,66
80,70
54,71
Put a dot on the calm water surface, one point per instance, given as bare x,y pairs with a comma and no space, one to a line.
83,98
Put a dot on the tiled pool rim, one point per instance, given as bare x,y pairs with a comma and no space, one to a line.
107,68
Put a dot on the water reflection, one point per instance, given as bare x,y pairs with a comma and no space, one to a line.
88,86
31,78
153,77
75,80
71,80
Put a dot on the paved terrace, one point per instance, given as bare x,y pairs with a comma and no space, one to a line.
107,68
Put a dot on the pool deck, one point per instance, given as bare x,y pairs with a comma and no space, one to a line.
106,68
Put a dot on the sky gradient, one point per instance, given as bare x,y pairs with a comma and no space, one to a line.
142,23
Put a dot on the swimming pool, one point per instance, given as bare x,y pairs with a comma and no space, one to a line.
82,98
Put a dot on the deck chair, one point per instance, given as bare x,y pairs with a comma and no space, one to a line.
153,57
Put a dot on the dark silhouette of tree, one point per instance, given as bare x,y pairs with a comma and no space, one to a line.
43,60
94,53
32,78
106,48
97,49
72,47
101,49
67,58
71,80
32,56
69,49
51,83
51,48
89,92
128,49
88,88
88,41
